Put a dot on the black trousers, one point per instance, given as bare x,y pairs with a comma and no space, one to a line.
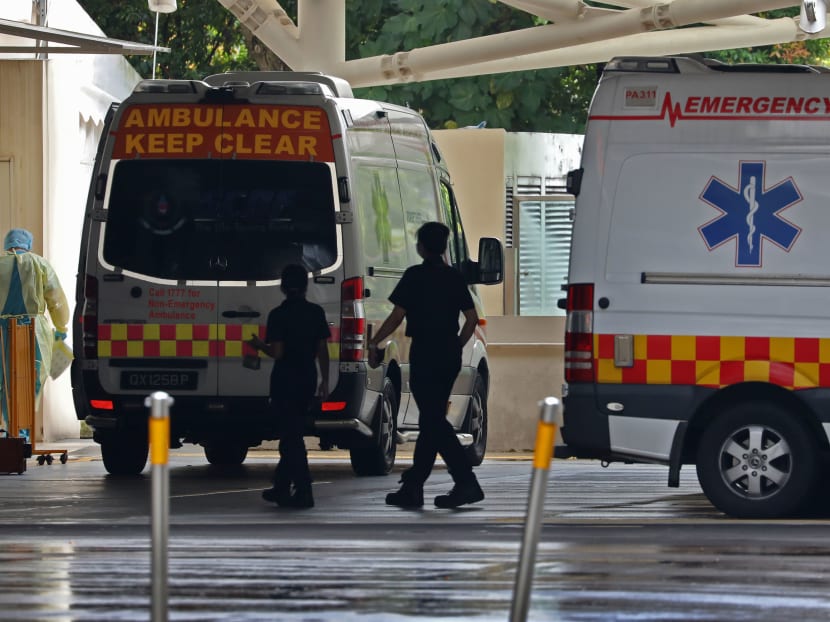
292,467
432,375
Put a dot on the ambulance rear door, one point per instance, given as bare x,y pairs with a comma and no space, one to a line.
277,206
273,213
159,254
208,200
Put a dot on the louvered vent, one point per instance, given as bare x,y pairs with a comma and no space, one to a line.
545,229
508,212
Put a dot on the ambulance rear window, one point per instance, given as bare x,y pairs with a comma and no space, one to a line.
220,219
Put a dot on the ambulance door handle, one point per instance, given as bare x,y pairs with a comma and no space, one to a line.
233,314
603,303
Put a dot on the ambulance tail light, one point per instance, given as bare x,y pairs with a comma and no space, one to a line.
352,321
328,407
579,334
89,318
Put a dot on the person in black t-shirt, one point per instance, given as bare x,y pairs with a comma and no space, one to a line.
430,296
296,337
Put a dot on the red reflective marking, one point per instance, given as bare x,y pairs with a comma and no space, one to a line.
658,347
331,406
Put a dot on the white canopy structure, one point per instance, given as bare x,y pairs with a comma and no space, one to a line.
56,41
579,33
24,30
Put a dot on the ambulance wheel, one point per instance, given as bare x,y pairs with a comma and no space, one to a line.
125,456
757,460
379,458
475,423
226,454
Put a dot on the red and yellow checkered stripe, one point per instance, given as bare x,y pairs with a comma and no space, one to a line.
190,340
711,361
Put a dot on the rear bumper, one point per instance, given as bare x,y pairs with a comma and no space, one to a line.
204,418
343,425
585,428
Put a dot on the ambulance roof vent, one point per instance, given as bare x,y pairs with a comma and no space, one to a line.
694,64
337,87
171,86
292,88
642,64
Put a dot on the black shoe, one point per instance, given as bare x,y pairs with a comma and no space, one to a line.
301,500
409,496
280,496
461,494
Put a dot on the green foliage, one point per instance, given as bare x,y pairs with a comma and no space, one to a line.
551,100
810,52
202,35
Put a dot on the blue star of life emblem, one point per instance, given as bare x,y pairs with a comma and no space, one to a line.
750,213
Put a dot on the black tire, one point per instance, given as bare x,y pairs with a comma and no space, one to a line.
226,454
758,460
475,422
379,458
124,456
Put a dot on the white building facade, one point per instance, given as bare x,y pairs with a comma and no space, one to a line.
51,117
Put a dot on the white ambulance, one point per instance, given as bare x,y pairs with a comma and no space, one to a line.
202,192
698,297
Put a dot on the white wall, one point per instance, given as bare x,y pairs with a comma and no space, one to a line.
525,353
79,90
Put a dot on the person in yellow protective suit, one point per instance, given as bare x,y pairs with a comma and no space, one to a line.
28,288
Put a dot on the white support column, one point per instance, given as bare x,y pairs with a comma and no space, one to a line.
659,43
423,63
322,26
685,12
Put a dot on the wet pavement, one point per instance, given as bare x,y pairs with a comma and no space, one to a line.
616,544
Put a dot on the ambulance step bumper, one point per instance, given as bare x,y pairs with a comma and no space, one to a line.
103,423
344,424
411,436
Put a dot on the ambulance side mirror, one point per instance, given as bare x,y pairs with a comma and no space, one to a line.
573,181
490,262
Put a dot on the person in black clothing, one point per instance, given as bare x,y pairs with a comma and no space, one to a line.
296,334
430,296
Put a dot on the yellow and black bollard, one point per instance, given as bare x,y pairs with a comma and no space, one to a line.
550,418
159,404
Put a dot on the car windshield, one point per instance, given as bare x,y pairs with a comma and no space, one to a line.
220,219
